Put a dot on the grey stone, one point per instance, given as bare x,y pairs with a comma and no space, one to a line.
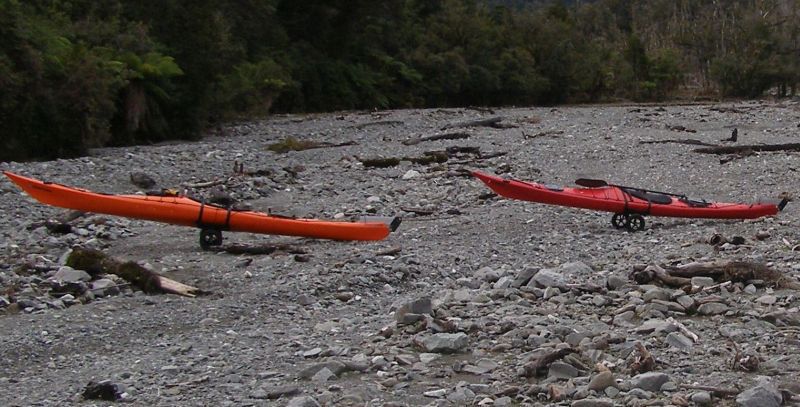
679,341
600,300
750,289
461,396
312,353
656,294
435,393
305,299
701,398
762,395
524,276
69,275
735,332
323,375
426,358
561,370
414,311
551,292
487,274
654,325
640,394
482,366
503,282
624,319
411,174
686,302
650,381
548,278
281,391
503,401
703,281
768,299
446,343
600,381
303,401
576,268
593,402
615,282
104,286
712,308
334,366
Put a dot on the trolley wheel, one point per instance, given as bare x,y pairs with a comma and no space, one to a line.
619,220
210,237
635,222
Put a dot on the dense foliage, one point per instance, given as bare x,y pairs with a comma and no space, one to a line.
83,73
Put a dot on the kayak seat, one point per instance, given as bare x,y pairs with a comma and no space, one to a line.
649,196
695,203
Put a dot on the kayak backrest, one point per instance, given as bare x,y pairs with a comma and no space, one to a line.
695,203
649,196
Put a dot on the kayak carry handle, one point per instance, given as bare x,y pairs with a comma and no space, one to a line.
392,221
782,204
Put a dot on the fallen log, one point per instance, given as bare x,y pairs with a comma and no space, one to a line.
96,262
720,270
435,137
689,141
748,149
543,134
494,122
418,211
293,144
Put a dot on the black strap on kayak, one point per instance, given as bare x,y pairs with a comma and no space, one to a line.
203,225
200,215
626,209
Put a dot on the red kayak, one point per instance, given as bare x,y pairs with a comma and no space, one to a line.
628,204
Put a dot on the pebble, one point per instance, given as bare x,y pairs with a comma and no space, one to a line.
701,398
445,342
561,370
593,402
761,395
601,381
712,308
679,341
650,381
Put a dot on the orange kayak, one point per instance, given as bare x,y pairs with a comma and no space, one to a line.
211,219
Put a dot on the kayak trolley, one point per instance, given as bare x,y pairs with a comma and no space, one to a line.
633,222
210,237
210,234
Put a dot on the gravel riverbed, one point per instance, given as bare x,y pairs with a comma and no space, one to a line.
474,300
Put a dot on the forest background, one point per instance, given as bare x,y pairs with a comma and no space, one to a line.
78,74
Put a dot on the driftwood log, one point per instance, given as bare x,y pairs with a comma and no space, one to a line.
748,149
548,133
494,122
445,136
96,262
721,271
689,141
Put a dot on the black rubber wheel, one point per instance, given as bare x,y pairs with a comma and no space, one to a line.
210,237
619,220
635,223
